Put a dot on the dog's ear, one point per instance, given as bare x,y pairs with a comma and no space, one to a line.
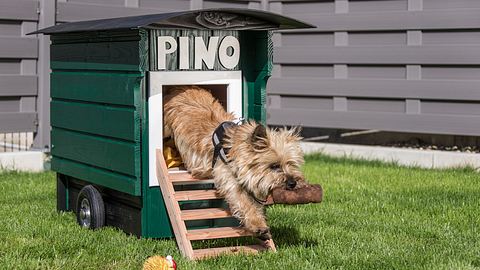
259,137
295,133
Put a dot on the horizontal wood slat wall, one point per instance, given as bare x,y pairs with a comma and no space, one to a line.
438,19
96,108
19,10
378,88
379,55
393,65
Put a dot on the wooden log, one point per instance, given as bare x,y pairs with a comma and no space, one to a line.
301,195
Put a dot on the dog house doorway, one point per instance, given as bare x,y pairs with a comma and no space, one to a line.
224,85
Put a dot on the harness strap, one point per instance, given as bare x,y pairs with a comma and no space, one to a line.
221,152
261,202
218,138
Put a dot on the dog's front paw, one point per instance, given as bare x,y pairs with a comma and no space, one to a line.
264,234
270,245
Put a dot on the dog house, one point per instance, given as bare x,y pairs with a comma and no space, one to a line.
108,80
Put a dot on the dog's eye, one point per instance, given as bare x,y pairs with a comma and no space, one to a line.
275,167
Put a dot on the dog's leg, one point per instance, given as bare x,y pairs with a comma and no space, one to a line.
250,213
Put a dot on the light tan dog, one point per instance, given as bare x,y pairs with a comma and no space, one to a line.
258,160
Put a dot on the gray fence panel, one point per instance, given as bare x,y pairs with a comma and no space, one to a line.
18,85
393,65
17,122
390,20
19,10
459,90
18,65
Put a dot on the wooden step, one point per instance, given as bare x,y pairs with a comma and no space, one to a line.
182,178
192,195
167,181
212,252
206,213
214,233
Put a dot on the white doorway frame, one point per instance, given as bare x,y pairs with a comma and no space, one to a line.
159,79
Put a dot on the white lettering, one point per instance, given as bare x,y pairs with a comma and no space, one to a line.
184,61
228,51
204,54
229,61
162,50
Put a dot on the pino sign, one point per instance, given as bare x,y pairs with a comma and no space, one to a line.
227,50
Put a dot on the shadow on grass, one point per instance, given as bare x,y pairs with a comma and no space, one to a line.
290,237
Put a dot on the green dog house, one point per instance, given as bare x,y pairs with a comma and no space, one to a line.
107,82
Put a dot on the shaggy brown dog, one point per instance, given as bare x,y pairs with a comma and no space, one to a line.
259,159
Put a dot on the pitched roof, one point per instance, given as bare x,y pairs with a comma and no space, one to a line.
219,18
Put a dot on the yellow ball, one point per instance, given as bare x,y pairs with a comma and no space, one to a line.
157,263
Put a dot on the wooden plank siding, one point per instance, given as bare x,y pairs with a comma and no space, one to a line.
88,86
97,107
104,120
107,153
396,65
96,56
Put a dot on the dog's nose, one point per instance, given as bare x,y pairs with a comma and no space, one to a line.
291,183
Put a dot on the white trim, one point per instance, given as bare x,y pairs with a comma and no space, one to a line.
431,159
158,79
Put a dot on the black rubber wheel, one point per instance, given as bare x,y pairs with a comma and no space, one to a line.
90,208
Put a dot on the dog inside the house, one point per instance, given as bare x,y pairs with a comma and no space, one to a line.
245,159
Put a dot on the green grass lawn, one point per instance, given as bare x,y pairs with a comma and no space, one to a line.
374,216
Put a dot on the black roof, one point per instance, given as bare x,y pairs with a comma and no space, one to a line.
220,18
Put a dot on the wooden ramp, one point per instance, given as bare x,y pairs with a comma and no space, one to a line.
167,180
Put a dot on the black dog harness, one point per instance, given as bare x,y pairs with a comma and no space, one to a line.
219,151
218,138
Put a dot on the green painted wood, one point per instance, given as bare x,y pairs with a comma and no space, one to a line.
155,220
116,122
112,88
118,156
256,62
122,183
71,65
97,36
258,113
123,55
